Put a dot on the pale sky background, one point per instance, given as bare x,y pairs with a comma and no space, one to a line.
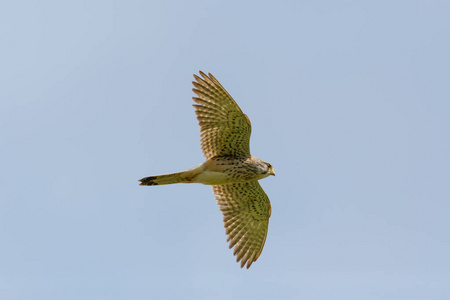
349,100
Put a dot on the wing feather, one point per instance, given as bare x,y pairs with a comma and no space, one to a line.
225,129
246,210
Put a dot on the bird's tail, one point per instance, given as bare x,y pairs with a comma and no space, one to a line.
179,177
188,176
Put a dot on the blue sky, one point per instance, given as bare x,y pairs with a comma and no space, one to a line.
349,101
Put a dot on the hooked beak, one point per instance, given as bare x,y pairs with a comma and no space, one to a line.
272,172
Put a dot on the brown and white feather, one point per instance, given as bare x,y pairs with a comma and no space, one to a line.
225,129
246,210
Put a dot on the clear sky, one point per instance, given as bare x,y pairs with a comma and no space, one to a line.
349,101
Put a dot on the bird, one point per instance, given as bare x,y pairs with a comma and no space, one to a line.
229,168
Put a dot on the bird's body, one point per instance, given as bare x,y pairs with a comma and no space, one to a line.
230,168
216,171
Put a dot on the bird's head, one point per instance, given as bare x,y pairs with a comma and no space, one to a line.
262,168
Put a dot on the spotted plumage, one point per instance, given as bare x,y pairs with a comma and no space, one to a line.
229,167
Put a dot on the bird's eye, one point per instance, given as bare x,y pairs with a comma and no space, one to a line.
269,165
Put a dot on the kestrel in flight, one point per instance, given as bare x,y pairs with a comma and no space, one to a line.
229,167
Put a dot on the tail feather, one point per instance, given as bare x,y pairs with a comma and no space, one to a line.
179,177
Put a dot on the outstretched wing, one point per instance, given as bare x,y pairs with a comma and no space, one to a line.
246,211
225,129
